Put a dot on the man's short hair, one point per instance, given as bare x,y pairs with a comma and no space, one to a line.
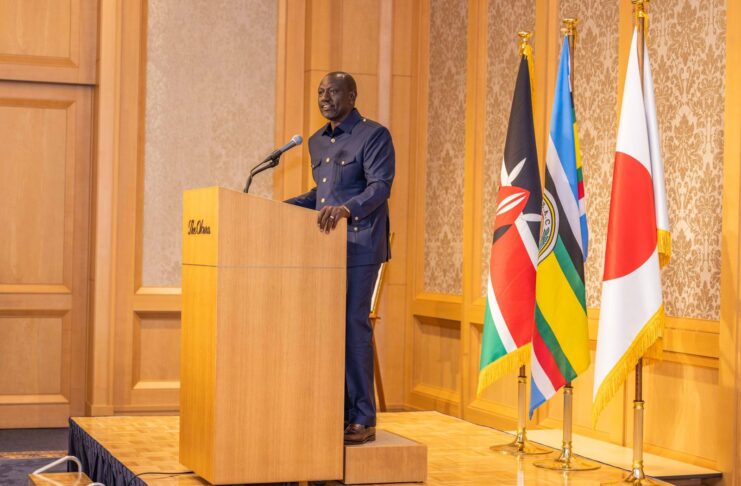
346,78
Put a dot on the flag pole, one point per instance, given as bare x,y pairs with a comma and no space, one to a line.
637,475
521,446
566,461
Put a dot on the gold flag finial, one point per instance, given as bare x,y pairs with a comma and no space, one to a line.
569,25
524,39
641,22
569,29
639,9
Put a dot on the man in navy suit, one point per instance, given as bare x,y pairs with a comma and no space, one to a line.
352,160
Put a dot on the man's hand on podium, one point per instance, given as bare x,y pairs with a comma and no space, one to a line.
329,216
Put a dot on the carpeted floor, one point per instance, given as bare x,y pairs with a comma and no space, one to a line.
25,450
14,440
14,472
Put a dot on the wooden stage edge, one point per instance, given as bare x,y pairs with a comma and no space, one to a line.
458,451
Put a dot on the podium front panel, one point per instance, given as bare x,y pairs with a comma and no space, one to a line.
263,341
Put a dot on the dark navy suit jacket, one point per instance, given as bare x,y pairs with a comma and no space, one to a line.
353,165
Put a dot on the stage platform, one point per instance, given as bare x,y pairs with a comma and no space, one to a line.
458,452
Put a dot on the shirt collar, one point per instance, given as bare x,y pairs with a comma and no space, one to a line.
346,126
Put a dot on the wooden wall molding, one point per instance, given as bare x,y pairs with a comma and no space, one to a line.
119,302
730,286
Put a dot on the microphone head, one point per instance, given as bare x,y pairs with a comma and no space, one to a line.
297,139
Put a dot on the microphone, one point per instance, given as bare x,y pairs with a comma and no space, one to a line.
295,140
272,160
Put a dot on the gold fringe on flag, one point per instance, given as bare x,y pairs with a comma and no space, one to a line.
506,364
664,243
645,340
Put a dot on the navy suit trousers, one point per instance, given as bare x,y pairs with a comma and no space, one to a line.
360,400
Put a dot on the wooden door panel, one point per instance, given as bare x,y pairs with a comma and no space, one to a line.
33,134
45,170
31,355
48,40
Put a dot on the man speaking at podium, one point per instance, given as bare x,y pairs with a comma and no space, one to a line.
352,160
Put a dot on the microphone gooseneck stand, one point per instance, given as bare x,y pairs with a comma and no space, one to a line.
266,164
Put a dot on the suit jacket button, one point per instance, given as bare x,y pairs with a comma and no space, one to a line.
322,200
327,159
324,179
331,140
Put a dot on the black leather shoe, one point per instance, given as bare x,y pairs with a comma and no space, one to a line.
359,434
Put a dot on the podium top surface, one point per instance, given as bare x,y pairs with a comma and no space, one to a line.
226,228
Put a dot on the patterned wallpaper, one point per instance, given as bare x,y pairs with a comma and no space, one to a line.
687,48
596,99
445,147
689,86
210,112
505,19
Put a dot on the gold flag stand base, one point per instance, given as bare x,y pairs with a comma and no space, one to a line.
566,461
521,446
637,477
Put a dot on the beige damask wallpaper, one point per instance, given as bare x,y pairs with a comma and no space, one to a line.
687,48
689,83
445,147
209,115
595,99
505,19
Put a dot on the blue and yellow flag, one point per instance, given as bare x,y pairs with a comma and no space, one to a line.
560,338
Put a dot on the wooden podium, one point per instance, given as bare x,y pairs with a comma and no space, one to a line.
263,340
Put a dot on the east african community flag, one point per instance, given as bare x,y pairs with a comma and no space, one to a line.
560,338
510,299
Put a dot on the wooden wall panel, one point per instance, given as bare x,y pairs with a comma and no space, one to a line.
681,419
33,134
31,356
360,30
156,354
45,189
37,28
48,40
437,354
435,379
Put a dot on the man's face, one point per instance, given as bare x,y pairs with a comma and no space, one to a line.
335,100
